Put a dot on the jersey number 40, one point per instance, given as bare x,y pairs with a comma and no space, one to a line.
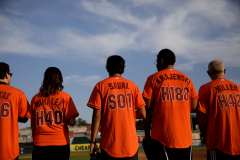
50,118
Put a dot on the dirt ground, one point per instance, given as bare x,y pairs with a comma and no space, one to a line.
197,155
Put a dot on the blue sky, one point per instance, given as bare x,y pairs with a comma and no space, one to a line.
77,36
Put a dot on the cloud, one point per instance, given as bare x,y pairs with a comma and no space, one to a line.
84,81
18,37
197,31
104,8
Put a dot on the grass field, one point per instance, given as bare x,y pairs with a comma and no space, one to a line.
87,157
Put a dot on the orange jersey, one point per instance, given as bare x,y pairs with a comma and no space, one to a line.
117,98
49,116
220,101
13,105
172,93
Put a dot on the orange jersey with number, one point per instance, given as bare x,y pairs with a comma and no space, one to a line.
220,101
49,116
172,93
13,104
117,98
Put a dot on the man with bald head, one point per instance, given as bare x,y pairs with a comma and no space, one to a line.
219,114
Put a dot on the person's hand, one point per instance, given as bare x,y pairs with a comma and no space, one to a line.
93,149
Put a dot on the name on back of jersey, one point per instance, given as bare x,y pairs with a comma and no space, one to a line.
118,85
4,95
49,101
226,87
160,79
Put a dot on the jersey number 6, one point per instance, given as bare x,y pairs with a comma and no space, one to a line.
4,110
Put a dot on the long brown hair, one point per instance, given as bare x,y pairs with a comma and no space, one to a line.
52,82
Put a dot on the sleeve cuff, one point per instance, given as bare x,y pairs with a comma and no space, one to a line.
74,115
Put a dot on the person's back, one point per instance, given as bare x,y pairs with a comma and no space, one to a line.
13,105
172,93
118,131
170,97
219,113
51,111
223,99
50,115
114,101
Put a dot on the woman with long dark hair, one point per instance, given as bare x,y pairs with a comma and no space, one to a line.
51,111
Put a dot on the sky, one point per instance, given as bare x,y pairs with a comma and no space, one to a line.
77,36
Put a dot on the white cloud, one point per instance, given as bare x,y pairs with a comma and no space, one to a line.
106,9
16,37
80,80
197,31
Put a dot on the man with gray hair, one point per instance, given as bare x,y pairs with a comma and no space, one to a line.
219,114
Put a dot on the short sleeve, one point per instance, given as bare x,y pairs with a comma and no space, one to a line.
23,106
139,103
70,110
148,89
95,99
30,114
194,94
203,105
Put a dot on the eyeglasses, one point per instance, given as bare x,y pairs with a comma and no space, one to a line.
155,62
10,74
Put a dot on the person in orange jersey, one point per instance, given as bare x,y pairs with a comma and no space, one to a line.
13,108
51,111
114,101
170,97
219,114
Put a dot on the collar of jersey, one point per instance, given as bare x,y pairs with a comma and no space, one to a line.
3,83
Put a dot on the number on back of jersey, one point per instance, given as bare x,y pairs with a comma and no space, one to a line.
50,118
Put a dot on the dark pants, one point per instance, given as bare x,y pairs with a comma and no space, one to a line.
215,154
161,152
51,152
16,158
105,156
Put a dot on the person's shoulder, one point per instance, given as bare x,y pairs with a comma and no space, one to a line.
63,94
231,82
206,86
154,75
102,82
16,91
37,96
179,72
129,82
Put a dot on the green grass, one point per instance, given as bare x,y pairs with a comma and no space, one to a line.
82,157
76,157
199,147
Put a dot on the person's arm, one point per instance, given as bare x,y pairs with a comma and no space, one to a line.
147,121
72,121
141,113
33,126
96,117
202,122
194,105
23,120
